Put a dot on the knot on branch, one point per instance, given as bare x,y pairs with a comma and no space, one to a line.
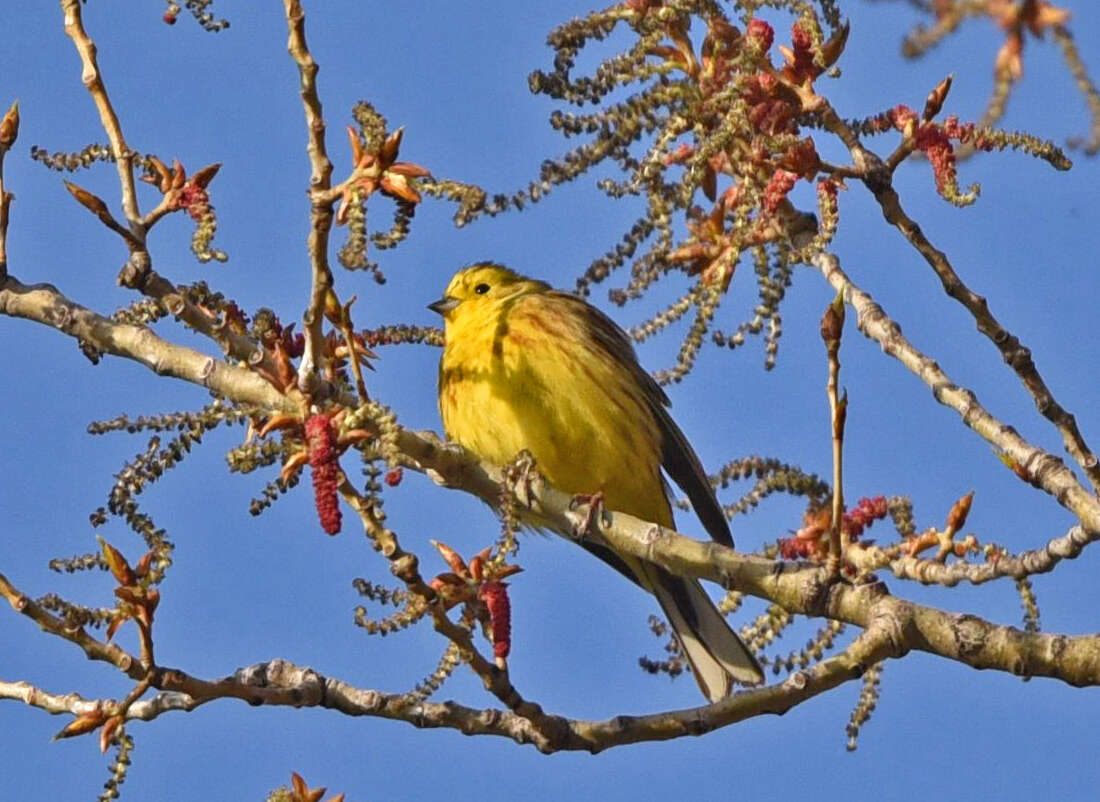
815,591
135,271
874,172
969,634
889,620
304,685
405,567
61,316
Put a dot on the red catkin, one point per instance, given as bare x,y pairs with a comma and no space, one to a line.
782,182
808,541
323,464
802,43
195,200
791,548
761,32
495,596
865,513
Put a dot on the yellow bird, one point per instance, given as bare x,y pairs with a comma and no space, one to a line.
527,367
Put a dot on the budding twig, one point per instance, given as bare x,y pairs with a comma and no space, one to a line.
832,326
405,566
9,130
1048,472
321,206
93,81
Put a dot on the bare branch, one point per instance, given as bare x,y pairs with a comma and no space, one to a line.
1020,566
1044,469
281,683
405,566
320,180
93,82
93,647
799,589
42,303
1014,353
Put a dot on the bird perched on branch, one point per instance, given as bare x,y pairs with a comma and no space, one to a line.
526,367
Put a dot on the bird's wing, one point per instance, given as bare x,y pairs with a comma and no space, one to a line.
677,456
682,464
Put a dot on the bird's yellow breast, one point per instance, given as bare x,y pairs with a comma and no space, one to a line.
525,373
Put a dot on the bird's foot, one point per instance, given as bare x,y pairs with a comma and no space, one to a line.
521,475
595,516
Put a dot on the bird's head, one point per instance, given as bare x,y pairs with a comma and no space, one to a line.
481,286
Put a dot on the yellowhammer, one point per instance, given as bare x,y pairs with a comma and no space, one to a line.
528,367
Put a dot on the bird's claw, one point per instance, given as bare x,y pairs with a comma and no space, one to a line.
521,474
594,517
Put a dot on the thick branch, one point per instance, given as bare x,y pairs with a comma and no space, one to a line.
798,588
283,684
43,303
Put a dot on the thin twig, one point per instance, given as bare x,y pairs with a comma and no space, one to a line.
405,567
931,572
1045,469
877,177
9,132
1014,353
93,82
138,271
94,648
1085,84
321,205
832,327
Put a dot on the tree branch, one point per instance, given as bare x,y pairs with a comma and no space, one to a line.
280,683
877,176
1014,353
797,587
138,272
94,648
44,304
405,566
321,206
1046,470
93,82
1020,566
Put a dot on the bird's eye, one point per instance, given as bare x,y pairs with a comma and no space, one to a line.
481,289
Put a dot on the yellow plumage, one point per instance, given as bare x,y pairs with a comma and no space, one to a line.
527,367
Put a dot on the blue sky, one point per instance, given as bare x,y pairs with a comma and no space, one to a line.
245,590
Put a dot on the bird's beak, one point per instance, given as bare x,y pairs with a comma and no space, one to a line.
444,305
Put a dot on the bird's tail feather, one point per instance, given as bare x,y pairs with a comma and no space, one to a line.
717,655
